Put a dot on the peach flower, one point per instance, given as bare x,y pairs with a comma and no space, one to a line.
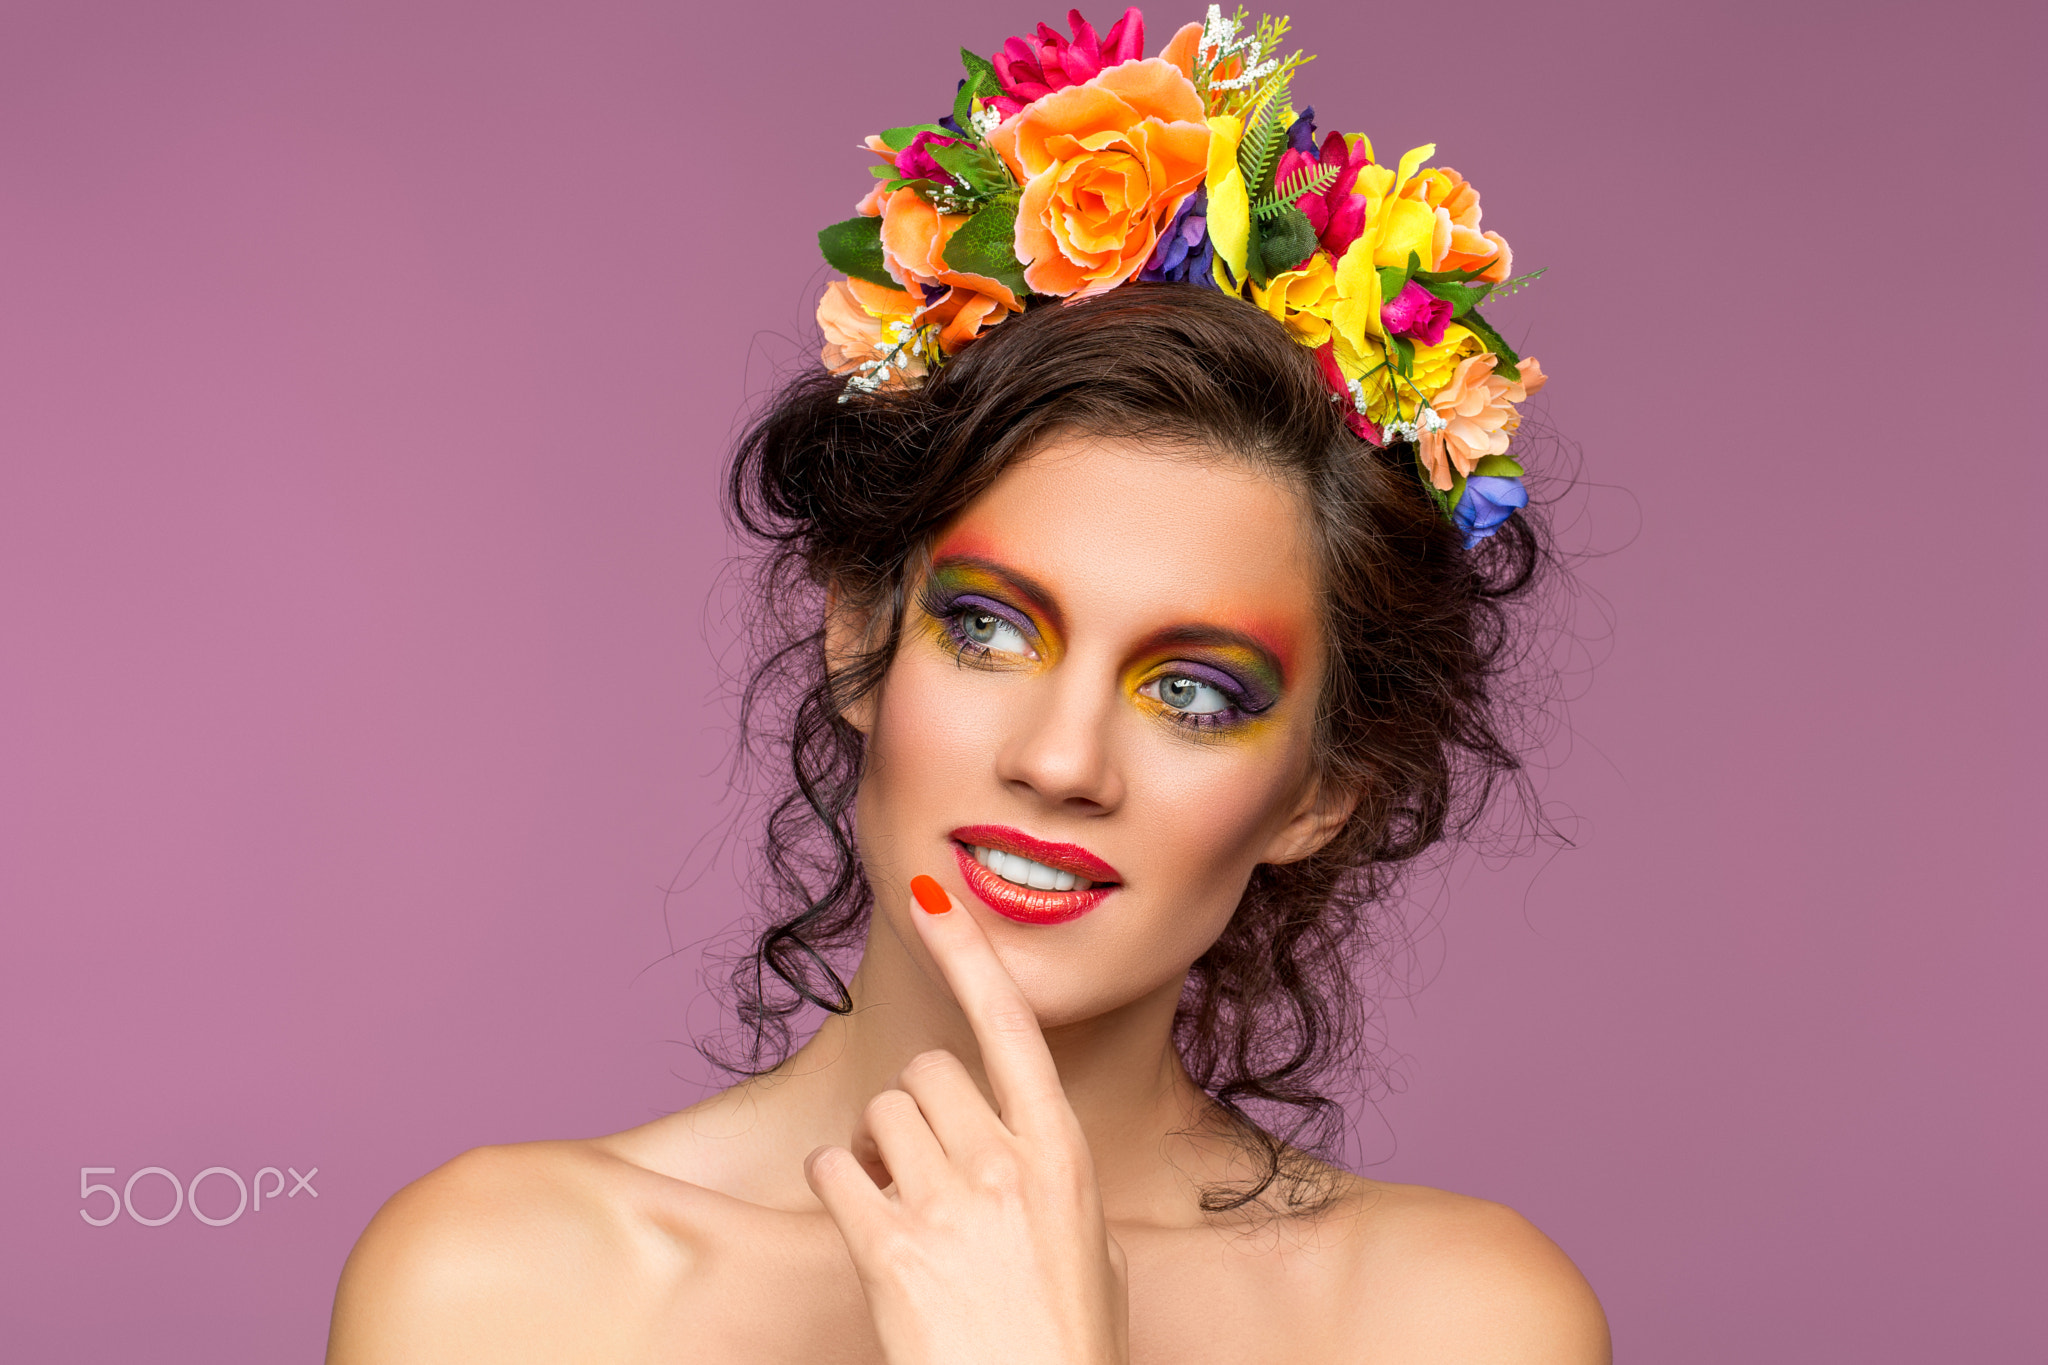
870,205
853,315
1475,415
1459,244
1104,165
959,303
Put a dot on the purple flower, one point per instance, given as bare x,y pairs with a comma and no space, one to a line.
1184,254
1301,134
1487,502
915,163
1417,313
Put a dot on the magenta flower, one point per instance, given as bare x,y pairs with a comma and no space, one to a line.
1417,313
1337,214
915,163
1032,68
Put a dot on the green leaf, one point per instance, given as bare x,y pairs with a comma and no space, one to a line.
1254,259
1307,180
982,83
1463,298
1448,276
883,170
1404,355
1286,240
1259,150
1446,502
854,248
896,139
1497,467
1392,277
972,166
1510,363
986,245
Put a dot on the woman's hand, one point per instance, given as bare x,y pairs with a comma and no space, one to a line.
978,1235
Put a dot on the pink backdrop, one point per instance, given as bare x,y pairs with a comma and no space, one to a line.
365,371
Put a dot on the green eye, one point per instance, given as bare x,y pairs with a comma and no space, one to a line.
987,633
1190,695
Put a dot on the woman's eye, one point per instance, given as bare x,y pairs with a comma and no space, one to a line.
991,632
1190,695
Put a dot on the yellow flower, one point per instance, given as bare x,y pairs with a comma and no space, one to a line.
1395,228
1230,204
1302,300
1394,397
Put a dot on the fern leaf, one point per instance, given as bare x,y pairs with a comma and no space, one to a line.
1307,180
1251,143
1260,151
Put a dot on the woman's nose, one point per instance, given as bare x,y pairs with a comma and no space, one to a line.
1059,745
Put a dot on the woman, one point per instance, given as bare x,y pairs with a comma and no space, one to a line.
1129,677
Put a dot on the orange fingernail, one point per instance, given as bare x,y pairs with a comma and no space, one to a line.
930,895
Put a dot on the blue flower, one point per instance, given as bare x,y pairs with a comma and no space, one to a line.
1487,502
1184,254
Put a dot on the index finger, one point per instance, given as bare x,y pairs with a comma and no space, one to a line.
1013,1051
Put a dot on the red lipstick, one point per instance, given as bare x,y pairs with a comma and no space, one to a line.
1031,905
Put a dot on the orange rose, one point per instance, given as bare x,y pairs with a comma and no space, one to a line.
1459,244
914,238
1105,164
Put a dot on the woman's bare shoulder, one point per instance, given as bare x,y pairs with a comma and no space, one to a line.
535,1251
1446,1277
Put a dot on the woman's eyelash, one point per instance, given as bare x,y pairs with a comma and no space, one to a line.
950,612
1239,703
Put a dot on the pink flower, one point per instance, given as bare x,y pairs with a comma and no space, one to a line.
915,163
1417,313
1032,68
1337,214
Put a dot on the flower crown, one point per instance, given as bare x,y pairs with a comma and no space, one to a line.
1072,165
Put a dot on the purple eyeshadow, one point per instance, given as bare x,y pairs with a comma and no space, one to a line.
1246,697
975,602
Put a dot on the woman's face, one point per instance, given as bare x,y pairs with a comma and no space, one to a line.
1109,675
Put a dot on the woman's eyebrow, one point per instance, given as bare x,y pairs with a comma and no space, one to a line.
1202,633
1035,594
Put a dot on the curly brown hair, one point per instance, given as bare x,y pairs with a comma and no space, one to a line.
846,491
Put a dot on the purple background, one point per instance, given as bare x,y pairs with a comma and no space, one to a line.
365,372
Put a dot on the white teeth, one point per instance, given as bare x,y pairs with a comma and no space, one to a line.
1024,872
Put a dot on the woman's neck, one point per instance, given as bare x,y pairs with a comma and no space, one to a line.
1135,1102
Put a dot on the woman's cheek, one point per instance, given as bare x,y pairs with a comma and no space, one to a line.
1208,814
937,725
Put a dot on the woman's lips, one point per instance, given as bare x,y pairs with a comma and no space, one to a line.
1025,904
1066,857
